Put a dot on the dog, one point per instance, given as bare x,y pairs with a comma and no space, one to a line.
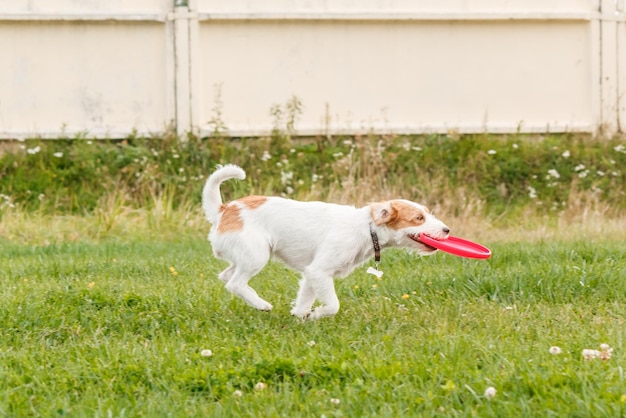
320,240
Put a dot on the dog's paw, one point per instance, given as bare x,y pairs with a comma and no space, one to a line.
263,306
302,315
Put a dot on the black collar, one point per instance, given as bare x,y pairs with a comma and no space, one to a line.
376,245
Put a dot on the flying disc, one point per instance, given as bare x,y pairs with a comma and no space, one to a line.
457,246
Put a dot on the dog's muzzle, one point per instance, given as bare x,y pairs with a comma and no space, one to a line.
416,238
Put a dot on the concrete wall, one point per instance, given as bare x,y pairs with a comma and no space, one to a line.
110,67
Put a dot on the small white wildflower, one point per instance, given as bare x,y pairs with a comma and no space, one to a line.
238,393
553,173
33,150
515,146
347,142
206,353
620,148
286,177
492,152
532,193
600,173
266,156
335,401
311,343
58,154
41,196
583,174
417,148
260,386
406,146
490,392
338,154
554,350
605,351
566,154
89,142
590,354
579,167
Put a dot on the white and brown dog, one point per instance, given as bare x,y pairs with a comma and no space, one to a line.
321,240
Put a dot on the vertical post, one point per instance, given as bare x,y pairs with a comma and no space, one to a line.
182,72
609,108
194,66
621,64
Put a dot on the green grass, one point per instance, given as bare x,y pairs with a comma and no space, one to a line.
116,328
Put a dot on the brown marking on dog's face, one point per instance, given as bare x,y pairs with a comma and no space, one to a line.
253,202
231,219
402,215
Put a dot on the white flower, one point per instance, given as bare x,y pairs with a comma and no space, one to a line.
266,156
491,152
590,354
579,167
206,353
260,386
605,352
238,393
58,154
34,150
515,146
490,392
311,343
553,173
335,401
620,148
565,154
554,350
532,193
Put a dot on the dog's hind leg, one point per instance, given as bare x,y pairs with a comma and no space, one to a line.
238,285
226,274
248,266
304,300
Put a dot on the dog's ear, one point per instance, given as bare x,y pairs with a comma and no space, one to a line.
381,212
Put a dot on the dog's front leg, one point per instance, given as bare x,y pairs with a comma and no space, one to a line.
320,286
304,301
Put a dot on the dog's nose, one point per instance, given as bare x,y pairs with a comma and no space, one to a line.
446,229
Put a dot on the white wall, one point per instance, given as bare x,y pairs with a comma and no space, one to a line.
108,67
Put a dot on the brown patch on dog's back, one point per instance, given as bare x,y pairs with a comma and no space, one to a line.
253,202
404,215
231,219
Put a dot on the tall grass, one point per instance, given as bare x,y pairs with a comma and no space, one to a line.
502,177
482,185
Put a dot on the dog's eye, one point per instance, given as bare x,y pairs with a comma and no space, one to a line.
420,218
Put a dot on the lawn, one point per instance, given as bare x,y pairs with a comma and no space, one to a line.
120,326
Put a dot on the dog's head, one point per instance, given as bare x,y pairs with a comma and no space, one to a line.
404,221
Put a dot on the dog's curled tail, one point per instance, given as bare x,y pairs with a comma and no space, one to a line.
211,197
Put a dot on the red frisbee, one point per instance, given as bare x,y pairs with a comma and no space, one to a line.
457,246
